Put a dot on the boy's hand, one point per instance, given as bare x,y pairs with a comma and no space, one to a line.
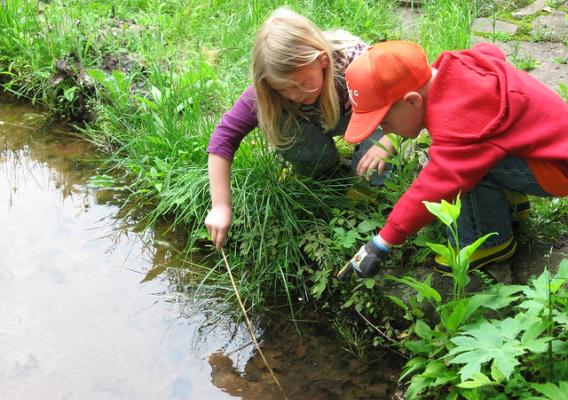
374,158
365,263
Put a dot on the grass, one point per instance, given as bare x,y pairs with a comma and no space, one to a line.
152,78
446,25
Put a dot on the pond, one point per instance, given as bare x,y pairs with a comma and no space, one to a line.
77,323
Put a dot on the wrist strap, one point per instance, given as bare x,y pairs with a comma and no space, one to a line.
379,245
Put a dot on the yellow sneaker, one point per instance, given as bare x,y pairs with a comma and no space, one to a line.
481,257
519,205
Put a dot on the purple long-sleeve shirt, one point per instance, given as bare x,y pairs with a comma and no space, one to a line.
242,118
235,124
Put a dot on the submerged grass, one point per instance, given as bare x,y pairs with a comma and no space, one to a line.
152,77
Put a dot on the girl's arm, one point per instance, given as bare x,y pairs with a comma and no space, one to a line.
219,218
225,140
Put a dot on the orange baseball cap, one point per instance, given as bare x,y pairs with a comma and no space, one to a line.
379,78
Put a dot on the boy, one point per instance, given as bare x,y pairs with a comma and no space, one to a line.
493,128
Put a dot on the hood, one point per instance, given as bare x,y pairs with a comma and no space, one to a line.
470,86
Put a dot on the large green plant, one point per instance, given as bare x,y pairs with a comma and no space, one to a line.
509,341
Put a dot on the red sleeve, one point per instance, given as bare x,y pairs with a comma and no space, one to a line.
451,170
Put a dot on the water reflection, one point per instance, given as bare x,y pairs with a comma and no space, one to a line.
75,322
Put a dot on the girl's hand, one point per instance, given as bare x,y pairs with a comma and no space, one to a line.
218,222
375,157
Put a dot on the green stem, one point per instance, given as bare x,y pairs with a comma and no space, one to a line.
550,330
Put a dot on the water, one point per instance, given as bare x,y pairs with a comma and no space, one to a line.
76,323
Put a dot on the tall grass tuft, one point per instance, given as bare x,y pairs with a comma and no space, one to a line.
446,25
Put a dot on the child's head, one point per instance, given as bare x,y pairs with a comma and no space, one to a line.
385,89
292,64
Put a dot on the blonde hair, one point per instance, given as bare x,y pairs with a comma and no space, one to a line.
286,42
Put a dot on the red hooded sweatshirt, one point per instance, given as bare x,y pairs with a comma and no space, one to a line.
479,110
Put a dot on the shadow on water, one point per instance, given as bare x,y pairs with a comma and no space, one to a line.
76,323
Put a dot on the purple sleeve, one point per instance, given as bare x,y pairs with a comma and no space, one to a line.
235,124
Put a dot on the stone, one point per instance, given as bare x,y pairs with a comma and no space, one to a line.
551,57
409,22
488,25
531,9
553,28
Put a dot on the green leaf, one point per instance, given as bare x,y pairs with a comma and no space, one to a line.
417,385
488,341
346,239
497,296
466,253
422,329
561,317
69,94
537,345
496,374
422,288
535,327
456,317
149,103
552,391
439,212
452,210
449,375
368,225
419,346
538,294
471,394
444,251
434,369
98,75
369,283
478,380
560,277
398,302
412,366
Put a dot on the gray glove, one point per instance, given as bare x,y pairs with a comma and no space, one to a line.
365,263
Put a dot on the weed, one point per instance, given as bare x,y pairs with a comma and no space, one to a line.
446,25
524,63
563,91
473,356
560,60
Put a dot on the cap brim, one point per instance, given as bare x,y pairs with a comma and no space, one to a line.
361,125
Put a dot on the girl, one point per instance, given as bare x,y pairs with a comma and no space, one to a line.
299,100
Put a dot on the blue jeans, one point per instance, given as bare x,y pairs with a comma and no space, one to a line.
485,208
314,153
